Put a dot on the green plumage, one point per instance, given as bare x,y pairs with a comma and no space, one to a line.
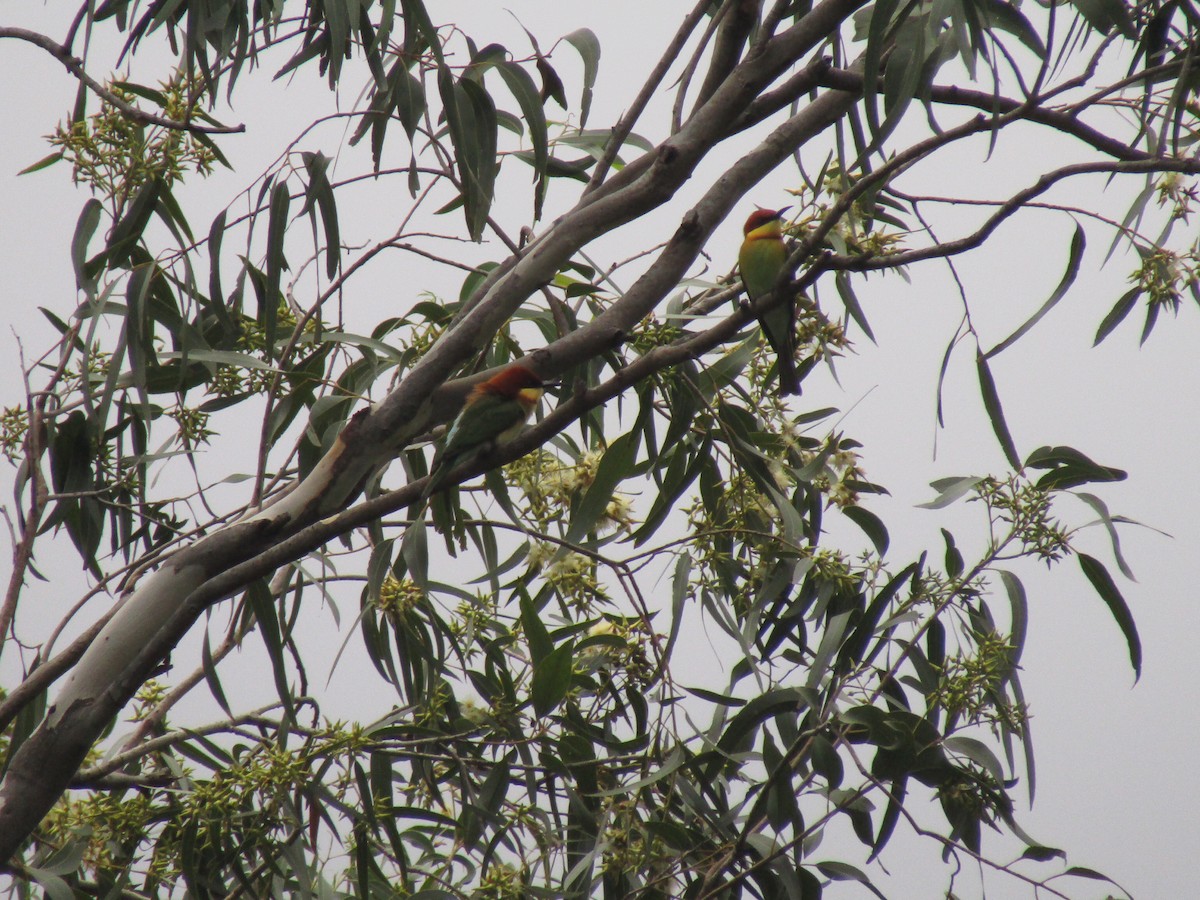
494,413
761,261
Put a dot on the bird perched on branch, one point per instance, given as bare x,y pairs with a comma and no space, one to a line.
760,262
495,412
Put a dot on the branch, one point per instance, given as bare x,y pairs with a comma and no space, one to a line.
1064,120
1017,202
74,65
622,129
740,17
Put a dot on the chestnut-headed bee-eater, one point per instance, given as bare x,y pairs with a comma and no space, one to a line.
760,263
494,412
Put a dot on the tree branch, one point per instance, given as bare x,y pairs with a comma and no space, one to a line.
74,65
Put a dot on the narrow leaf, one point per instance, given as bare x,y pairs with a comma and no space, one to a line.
85,228
850,299
614,466
276,263
585,41
1078,243
552,679
1019,612
1101,509
320,192
1117,314
871,525
991,403
536,634
951,489
1098,575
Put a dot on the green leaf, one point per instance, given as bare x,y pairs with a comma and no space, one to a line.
53,886
991,403
44,162
268,311
1084,872
615,465
941,379
879,22
258,595
536,634
85,228
871,525
840,871
414,550
521,84
210,676
1007,17
585,41
741,732
826,762
951,489
1074,259
1042,854
1101,509
1098,575
128,230
1018,612
552,679
471,119
1117,314
714,697
1104,15
979,753
1069,468
850,299
216,234
954,559
320,193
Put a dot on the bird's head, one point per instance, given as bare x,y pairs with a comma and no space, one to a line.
761,217
516,382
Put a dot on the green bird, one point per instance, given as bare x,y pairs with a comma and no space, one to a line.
495,412
760,262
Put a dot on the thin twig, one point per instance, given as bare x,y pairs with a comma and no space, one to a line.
74,65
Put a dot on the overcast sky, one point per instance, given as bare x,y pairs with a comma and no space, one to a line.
1116,779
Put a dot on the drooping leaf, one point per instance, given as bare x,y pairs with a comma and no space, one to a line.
471,119
1074,260
258,596
871,525
991,403
268,312
1110,526
536,634
615,465
526,93
1122,308
1098,575
319,192
85,228
584,40
552,679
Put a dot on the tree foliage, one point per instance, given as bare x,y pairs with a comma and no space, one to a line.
550,735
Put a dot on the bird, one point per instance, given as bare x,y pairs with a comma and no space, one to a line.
761,260
495,412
